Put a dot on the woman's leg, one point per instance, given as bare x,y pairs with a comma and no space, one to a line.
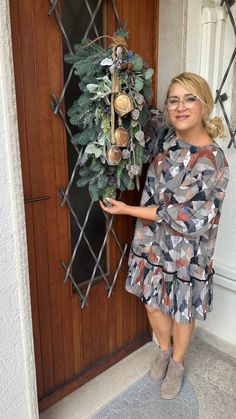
174,375
161,325
182,334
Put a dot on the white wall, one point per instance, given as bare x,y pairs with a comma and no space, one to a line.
17,368
171,49
181,49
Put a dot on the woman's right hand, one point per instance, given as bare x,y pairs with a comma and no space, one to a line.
118,207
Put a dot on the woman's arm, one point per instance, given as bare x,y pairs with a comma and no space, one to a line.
194,205
120,208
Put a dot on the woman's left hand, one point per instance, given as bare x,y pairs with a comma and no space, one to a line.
117,207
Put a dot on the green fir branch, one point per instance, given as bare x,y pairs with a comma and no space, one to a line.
87,136
119,173
138,152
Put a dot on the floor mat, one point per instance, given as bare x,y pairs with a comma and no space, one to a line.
142,400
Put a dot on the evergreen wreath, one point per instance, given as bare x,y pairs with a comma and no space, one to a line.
111,113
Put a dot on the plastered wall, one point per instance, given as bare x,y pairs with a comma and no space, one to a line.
17,368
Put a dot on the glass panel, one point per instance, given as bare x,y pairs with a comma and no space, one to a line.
76,18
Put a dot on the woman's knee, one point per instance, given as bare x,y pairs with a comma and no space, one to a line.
151,310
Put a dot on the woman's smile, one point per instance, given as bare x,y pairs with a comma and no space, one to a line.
182,117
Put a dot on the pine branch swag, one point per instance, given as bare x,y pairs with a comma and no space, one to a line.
111,113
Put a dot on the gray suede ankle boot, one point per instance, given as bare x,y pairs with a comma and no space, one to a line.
159,367
173,380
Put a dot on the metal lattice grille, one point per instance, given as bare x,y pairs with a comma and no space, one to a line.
220,96
65,194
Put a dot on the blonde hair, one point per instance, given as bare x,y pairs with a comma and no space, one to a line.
199,87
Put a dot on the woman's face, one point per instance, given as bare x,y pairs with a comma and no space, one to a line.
189,114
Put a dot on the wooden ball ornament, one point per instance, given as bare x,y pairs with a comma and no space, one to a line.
123,104
121,137
114,155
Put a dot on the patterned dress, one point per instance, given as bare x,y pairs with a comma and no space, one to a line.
170,262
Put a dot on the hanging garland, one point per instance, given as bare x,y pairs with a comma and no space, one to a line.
111,113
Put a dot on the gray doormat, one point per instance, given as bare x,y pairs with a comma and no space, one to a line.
142,400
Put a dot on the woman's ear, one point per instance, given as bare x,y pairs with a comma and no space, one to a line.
205,113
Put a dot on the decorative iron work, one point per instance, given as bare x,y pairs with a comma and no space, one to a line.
65,194
222,97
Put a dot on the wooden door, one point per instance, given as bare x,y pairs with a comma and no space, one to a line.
72,344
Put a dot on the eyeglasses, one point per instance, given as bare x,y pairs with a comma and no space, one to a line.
172,103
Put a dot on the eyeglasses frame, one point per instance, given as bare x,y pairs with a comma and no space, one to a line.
182,101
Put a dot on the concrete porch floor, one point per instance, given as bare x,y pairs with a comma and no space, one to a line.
210,366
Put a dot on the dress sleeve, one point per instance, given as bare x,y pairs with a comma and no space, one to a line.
193,205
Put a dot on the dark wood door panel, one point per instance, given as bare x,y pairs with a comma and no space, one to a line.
142,25
37,52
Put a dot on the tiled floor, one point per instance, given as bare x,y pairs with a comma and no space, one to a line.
212,373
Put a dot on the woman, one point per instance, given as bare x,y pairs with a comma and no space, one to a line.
171,258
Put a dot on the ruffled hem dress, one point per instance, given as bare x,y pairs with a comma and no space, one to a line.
171,260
